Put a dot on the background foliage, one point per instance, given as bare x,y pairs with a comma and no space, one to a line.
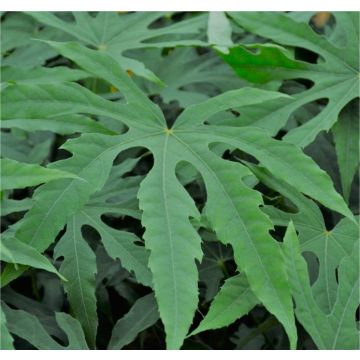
179,180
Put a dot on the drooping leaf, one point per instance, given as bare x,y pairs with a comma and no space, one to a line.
143,314
44,312
17,252
28,327
234,300
15,175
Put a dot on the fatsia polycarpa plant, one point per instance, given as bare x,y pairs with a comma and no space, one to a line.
80,189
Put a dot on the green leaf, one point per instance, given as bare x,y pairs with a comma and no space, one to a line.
337,329
330,246
219,31
6,340
345,133
232,207
57,124
17,175
17,252
185,72
41,75
109,32
9,206
29,328
143,314
79,267
234,300
54,202
18,48
335,74
119,244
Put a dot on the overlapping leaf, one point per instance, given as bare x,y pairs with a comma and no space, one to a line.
337,329
186,74
115,33
335,75
28,327
232,208
330,246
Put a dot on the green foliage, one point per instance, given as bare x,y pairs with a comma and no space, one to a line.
136,193
331,330
335,75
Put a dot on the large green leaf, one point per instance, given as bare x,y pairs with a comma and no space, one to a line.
232,207
335,75
115,33
329,246
337,329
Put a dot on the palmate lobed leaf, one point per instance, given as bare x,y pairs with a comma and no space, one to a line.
335,75
329,245
337,329
28,327
185,72
115,33
167,207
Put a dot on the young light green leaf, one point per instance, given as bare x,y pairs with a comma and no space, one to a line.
219,31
